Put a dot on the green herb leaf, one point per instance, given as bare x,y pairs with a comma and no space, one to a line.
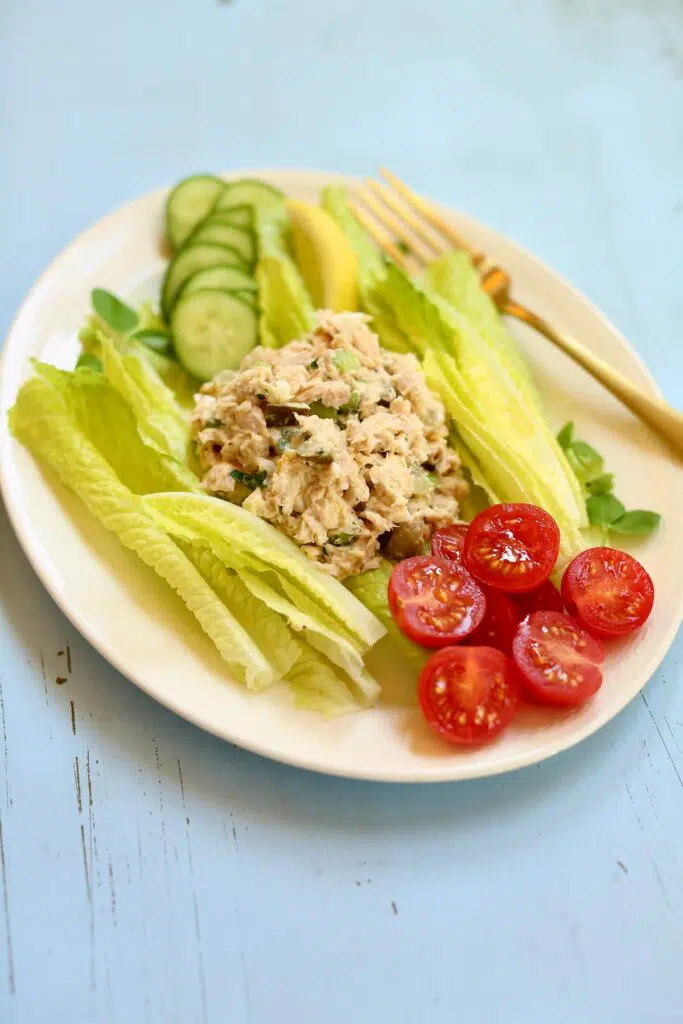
604,509
590,461
340,540
155,340
638,523
566,435
313,365
603,484
403,246
90,361
113,311
283,441
345,360
250,480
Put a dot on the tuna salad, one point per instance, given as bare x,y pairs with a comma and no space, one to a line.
337,442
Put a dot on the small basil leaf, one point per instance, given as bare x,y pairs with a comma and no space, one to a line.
589,460
566,435
603,484
90,361
603,509
155,340
112,310
638,523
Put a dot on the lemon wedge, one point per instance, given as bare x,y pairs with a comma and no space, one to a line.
326,259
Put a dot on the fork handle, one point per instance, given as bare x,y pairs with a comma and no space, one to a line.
665,420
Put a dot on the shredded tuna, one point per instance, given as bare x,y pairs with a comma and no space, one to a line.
338,443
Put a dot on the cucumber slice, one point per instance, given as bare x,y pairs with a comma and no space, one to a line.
188,204
247,295
249,192
190,260
240,216
225,279
228,235
213,331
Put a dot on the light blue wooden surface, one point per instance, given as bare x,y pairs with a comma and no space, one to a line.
151,873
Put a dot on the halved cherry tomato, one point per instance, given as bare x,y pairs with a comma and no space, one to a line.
545,598
558,661
608,591
468,694
448,542
434,602
499,624
512,547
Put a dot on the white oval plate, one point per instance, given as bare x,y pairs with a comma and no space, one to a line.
135,621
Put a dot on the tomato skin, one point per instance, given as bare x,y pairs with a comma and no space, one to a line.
469,694
545,598
558,661
499,624
434,602
512,547
608,591
448,542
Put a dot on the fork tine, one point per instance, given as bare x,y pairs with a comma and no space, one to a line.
396,224
430,213
384,239
435,243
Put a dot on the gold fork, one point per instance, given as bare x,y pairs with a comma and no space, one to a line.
413,233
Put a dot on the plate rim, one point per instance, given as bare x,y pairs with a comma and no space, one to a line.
41,566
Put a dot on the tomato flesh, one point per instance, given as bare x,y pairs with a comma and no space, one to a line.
512,547
448,542
468,694
559,662
608,591
434,602
499,625
545,598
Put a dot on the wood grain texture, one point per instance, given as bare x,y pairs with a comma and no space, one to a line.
151,873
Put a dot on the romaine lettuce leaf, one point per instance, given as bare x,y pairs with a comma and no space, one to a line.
287,311
512,473
235,534
267,628
334,199
107,421
481,494
42,421
395,661
335,647
455,278
479,384
160,420
318,686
